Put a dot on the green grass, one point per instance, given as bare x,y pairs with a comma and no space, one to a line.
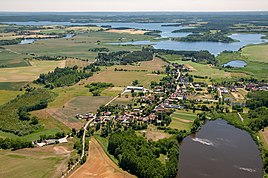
26,164
7,95
12,85
9,119
12,59
256,53
256,66
49,31
32,136
104,144
182,120
199,69
78,46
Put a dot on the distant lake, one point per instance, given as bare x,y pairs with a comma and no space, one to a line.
31,40
236,63
27,41
219,150
213,47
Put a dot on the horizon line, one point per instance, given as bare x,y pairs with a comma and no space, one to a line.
135,11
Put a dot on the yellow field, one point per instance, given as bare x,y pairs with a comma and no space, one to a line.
257,53
29,73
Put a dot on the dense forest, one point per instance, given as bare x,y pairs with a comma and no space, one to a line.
123,57
62,77
141,158
258,114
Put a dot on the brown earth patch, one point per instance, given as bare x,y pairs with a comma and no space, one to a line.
99,165
190,67
155,135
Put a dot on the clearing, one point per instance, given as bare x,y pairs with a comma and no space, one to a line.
99,164
155,135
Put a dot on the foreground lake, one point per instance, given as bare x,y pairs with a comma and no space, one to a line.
219,150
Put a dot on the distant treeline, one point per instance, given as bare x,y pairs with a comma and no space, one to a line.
14,144
10,42
99,50
195,56
123,57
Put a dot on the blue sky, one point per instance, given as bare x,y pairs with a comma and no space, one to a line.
133,5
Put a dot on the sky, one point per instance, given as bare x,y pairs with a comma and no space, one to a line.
132,5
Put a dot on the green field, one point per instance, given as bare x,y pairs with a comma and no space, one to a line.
182,120
201,69
256,61
12,85
7,95
256,53
28,73
9,58
78,46
29,163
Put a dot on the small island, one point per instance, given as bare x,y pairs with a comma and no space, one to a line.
207,36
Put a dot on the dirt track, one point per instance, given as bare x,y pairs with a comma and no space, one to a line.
99,165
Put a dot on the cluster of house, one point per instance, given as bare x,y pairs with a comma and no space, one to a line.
86,116
256,87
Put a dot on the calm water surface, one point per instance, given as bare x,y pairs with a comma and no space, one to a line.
219,150
236,63
213,47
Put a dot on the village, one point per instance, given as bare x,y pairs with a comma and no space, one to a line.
174,92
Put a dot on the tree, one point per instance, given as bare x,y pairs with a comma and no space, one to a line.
135,82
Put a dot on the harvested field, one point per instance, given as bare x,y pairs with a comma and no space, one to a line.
77,105
155,135
29,73
124,78
75,62
99,165
128,31
49,161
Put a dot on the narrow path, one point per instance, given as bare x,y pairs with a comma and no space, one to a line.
241,118
83,141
